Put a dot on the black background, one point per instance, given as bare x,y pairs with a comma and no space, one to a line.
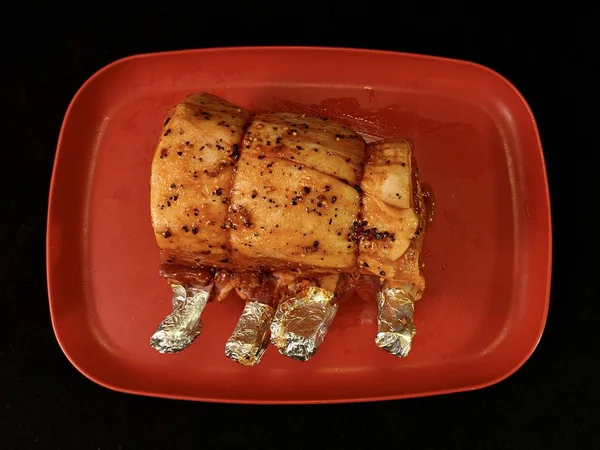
551,402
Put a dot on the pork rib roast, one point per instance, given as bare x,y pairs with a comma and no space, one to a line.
289,211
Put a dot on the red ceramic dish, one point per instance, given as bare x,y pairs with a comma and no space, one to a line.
487,254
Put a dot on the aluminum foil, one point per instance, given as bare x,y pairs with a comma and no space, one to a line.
251,335
395,321
180,328
301,323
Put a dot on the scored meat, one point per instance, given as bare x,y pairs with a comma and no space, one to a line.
288,211
293,204
392,220
192,178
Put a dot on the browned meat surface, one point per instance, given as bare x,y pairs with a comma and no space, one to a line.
192,176
392,217
291,204
321,144
286,215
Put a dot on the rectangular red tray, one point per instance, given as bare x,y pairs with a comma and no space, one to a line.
487,253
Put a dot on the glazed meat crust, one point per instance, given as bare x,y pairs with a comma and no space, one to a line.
282,193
